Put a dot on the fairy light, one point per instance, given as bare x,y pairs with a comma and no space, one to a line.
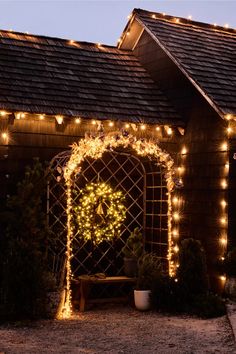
223,220
94,122
223,203
41,116
77,120
158,128
184,150
154,16
228,116
169,131
72,42
175,233
3,113
127,125
111,124
223,278
224,146
59,119
176,216
94,147
177,20
143,127
175,200
5,136
224,183
229,130
223,241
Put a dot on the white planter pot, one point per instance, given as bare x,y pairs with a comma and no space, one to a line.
142,299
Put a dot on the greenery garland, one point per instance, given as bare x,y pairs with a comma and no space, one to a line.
100,212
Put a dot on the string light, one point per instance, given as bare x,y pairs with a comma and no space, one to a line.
143,127
224,146
94,147
3,113
41,116
127,125
5,136
223,203
223,241
176,216
111,124
227,165
77,120
184,150
94,122
224,183
228,116
59,119
158,128
169,131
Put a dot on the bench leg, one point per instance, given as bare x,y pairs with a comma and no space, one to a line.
84,292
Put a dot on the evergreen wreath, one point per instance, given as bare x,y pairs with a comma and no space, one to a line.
100,212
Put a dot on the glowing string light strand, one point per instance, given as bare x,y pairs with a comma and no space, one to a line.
94,147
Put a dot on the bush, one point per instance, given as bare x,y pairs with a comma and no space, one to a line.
25,277
192,271
149,269
208,306
168,296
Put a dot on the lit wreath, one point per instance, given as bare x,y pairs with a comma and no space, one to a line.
100,212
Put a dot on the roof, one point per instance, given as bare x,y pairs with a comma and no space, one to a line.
205,53
55,76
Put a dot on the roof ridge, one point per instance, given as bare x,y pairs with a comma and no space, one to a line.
44,37
185,21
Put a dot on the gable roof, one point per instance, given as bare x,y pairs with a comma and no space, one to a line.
55,76
205,53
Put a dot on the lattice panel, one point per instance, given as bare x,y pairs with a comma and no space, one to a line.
143,185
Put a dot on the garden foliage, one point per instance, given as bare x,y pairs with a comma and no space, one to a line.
25,277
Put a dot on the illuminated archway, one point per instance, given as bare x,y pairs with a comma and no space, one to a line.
94,147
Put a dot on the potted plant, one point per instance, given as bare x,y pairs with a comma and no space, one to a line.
132,250
230,270
149,269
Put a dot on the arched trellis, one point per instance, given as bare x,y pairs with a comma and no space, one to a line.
94,147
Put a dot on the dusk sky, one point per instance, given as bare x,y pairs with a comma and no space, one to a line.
102,21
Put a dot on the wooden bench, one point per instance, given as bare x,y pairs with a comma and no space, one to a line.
86,283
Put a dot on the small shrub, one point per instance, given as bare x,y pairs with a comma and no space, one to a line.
208,306
149,269
133,247
192,271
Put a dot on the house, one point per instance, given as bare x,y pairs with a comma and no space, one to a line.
169,79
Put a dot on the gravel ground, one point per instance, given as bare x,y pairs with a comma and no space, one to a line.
119,330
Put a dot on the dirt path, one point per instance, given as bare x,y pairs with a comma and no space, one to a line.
120,330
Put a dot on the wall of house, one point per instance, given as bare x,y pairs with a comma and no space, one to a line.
203,164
